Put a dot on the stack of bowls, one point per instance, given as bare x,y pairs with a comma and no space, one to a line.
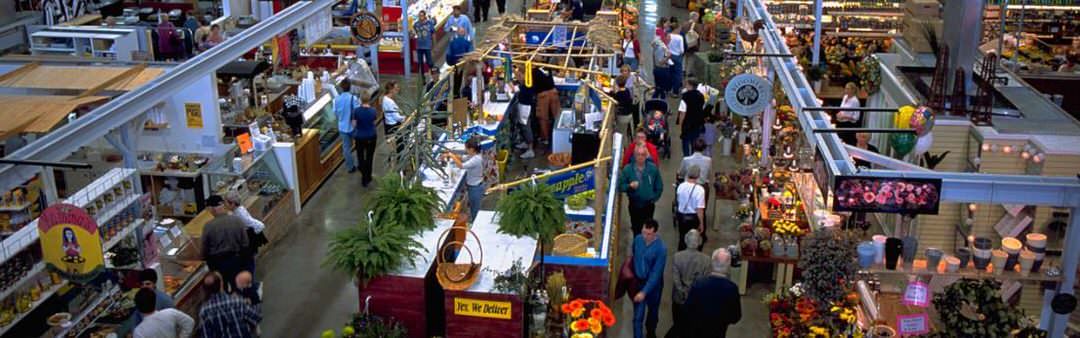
981,249
1012,247
1036,244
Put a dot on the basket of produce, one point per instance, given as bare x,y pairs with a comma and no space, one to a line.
458,276
570,245
559,160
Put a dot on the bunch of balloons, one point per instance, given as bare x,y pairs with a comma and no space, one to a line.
903,143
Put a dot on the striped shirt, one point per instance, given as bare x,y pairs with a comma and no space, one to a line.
225,315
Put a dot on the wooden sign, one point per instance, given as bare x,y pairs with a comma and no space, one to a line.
193,112
482,308
912,325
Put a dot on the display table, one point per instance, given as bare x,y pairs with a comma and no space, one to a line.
479,311
406,294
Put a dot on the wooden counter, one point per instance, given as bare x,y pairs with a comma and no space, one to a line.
312,167
277,218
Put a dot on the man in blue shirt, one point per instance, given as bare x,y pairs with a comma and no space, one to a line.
650,255
459,46
460,22
423,30
344,104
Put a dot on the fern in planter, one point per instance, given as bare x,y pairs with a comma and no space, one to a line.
407,203
532,211
829,263
371,251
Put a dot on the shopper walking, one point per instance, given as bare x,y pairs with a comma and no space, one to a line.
691,115
676,48
501,5
687,267
650,256
547,102
224,241
459,22
392,117
224,314
473,163
690,205
713,303
344,104
849,118
661,68
643,186
424,32
480,10
630,50
624,106
256,238
168,40
365,137
160,323
700,159
526,100
640,140
458,47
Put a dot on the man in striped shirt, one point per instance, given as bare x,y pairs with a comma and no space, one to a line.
225,315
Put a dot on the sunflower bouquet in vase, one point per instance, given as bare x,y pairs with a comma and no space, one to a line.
587,318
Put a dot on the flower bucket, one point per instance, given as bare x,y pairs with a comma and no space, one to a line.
867,252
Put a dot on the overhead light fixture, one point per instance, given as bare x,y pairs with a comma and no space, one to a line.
1025,154
1038,158
973,207
1007,149
986,147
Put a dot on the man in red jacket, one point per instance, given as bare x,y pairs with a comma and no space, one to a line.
640,139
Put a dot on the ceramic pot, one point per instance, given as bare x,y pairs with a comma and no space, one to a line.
1035,240
982,243
911,247
964,255
933,257
893,246
1012,247
1027,260
867,252
952,264
879,248
882,331
998,259
981,258
792,246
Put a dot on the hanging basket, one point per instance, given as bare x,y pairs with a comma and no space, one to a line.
455,276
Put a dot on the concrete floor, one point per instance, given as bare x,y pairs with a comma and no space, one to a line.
302,299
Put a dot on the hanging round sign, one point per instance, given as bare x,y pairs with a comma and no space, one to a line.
747,94
366,27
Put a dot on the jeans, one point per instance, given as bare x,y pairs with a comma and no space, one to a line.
365,155
688,138
523,123
632,62
501,4
347,152
476,196
676,74
653,304
639,213
423,59
661,76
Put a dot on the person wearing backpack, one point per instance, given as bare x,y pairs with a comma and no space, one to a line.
365,136
344,104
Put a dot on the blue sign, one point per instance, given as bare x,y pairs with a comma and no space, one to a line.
573,182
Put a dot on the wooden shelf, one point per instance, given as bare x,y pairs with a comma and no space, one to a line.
919,268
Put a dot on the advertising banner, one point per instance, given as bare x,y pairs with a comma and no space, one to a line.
70,243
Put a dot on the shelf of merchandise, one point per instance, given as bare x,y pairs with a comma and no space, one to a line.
17,208
123,234
28,235
45,294
919,268
113,289
38,268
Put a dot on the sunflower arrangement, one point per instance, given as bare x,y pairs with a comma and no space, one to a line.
587,318
785,227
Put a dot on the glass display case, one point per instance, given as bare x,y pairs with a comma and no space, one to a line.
179,256
320,118
255,175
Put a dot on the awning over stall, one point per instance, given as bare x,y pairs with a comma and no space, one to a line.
79,77
38,114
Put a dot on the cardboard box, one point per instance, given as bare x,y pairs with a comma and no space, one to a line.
923,8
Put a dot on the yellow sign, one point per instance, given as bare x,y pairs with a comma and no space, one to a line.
70,244
482,308
193,111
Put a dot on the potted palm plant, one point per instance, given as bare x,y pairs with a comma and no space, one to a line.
532,211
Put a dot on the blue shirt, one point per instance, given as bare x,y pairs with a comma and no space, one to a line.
460,21
458,47
343,107
424,31
649,260
365,123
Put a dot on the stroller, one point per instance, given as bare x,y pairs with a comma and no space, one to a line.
657,131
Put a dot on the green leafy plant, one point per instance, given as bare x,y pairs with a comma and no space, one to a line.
369,326
407,203
369,251
513,280
828,261
531,211
973,308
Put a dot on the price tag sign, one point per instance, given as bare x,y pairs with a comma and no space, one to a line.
912,325
917,294
175,231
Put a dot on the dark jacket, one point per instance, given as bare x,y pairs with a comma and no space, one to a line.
694,120
713,304
224,236
365,123
459,46
650,183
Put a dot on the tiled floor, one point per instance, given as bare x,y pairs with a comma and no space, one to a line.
302,299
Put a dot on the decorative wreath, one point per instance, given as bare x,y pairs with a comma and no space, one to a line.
974,308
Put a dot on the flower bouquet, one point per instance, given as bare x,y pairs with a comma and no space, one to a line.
587,318
787,228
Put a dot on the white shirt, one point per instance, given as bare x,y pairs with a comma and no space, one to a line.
628,49
474,169
165,323
847,115
391,111
676,44
704,163
691,197
249,221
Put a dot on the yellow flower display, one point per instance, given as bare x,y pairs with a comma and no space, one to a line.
582,335
818,332
786,227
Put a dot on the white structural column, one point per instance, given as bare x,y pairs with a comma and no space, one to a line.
963,32
1069,259
818,8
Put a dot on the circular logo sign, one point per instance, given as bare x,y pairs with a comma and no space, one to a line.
748,94
366,27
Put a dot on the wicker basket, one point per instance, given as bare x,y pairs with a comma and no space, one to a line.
454,276
559,160
570,245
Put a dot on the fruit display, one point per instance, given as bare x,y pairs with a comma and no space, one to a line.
576,202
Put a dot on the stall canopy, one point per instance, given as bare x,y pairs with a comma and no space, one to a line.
37,76
243,69
38,114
